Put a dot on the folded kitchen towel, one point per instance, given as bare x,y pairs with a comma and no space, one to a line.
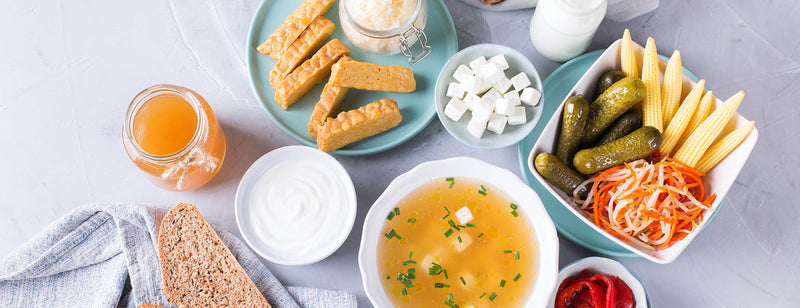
618,10
105,255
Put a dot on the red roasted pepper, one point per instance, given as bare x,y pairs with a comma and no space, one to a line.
589,290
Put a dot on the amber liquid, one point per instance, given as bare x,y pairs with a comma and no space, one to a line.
483,260
165,125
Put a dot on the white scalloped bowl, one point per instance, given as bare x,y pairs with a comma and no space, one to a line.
604,266
717,181
465,167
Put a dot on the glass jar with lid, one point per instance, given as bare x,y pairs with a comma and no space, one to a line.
386,27
172,135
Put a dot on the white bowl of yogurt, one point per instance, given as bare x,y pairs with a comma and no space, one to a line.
295,205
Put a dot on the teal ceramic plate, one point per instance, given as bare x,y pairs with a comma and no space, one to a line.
556,88
417,107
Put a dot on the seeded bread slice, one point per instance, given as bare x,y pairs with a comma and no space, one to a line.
196,267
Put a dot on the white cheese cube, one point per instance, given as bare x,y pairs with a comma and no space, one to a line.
497,123
513,98
464,215
455,109
490,72
477,63
517,116
461,241
462,72
455,90
530,96
483,110
503,106
481,86
503,84
471,99
492,95
520,81
500,60
476,127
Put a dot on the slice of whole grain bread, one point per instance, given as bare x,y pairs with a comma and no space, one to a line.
196,267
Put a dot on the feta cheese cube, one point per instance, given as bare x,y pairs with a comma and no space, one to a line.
455,109
517,116
530,96
497,123
520,81
483,110
502,85
464,215
500,60
481,86
455,90
462,72
492,95
471,99
490,72
503,106
476,127
477,63
513,98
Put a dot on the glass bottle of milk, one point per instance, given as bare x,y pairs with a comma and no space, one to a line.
562,29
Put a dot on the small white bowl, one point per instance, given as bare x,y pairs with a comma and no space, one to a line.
247,225
604,266
717,181
517,62
464,167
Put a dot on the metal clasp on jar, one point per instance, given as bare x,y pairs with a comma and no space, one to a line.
423,42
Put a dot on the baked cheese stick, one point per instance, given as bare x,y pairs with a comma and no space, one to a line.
329,103
312,38
351,126
310,73
370,76
293,26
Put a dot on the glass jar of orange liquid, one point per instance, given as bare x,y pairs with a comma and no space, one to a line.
171,133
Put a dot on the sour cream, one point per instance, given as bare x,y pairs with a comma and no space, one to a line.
300,208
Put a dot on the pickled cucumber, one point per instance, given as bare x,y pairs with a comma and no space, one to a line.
557,173
620,97
573,121
638,144
628,122
606,80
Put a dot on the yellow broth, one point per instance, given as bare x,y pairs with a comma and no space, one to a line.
493,263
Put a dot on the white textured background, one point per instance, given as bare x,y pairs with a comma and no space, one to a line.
68,70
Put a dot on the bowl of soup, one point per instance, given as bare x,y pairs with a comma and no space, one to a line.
459,232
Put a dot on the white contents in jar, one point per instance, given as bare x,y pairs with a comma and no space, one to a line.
563,29
381,22
298,207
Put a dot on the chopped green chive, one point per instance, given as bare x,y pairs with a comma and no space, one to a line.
390,216
410,253
459,239
405,280
452,181
482,295
507,251
482,191
503,283
412,220
388,277
492,297
448,233
440,285
479,235
516,255
462,280
404,292
445,274
435,269
514,212
517,277
513,206
412,273
396,211
392,234
450,297
470,225
407,262
453,224
448,213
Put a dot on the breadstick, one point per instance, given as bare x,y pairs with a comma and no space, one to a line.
370,76
312,38
351,126
310,73
293,26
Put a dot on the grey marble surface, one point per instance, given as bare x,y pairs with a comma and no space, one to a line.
69,68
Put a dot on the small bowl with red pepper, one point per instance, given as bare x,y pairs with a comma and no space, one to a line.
598,282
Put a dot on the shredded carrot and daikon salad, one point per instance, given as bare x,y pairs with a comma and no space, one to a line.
656,204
